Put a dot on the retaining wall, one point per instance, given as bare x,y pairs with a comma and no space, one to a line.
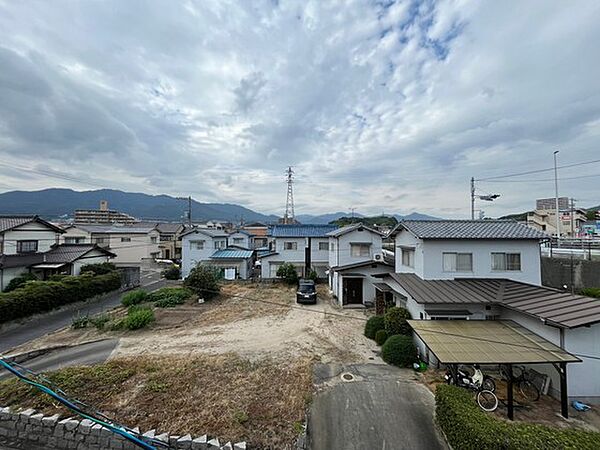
556,273
30,431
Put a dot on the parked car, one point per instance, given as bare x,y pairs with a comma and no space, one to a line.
307,292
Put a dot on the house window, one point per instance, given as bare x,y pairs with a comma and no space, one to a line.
153,239
74,240
198,244
323,245
506,261
458,262
99,240
238,240
360,249
27,246
332,246
408,257
290,246
219,244
125,239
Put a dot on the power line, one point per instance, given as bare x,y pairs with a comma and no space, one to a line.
542,180
529,172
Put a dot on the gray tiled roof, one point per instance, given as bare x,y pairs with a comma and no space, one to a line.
469,229
71,252
350,228
10,222
212,232
302,230
116,229
551,305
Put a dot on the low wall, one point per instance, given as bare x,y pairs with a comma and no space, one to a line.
30,431
557,273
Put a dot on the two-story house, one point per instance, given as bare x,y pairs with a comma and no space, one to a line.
131,244
213,246
169,237
355,255
490,270
29,244
304,246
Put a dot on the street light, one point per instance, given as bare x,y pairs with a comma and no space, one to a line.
556,198
486,198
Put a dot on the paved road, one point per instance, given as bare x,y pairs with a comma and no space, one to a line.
383,408
80,355
55,320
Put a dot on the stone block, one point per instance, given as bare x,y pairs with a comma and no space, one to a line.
200,443
227,446
50,421
163,437
185,442
173,440
96,429
149,434
85,426
25,415
71,424
214,444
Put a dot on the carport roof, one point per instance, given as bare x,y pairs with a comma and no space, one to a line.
487,342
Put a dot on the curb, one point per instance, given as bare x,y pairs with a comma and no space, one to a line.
26,356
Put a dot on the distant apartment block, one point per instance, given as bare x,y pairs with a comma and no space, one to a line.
550,203
103,216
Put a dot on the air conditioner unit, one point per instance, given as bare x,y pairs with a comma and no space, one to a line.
378,257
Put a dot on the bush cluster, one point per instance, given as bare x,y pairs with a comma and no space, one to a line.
396,321
591,292
134,297
19,281
99,268
381,336
169,297
467,427
41,296
172,273
287,272
399,350
138,317
204,280
373,325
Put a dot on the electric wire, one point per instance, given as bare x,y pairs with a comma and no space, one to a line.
530,172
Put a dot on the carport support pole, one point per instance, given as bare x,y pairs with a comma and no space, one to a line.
509,391
564,397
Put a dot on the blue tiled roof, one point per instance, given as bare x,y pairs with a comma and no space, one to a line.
232,253
302,230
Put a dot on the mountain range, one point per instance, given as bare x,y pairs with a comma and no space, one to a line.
55,203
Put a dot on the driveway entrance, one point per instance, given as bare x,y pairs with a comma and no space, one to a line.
371,406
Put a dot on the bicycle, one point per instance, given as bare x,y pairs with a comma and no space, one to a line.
483,385
524,383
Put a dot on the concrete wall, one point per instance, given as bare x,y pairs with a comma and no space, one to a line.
34,231
556,272
340,253
366,274
28,430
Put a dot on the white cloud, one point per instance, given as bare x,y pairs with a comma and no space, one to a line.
379,105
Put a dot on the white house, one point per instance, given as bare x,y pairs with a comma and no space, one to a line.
212,246
130,244
304,246
355,255
29,244
241,238
490,270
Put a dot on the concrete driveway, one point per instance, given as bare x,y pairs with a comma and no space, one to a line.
379,407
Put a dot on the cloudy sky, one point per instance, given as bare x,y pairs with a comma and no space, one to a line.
378,105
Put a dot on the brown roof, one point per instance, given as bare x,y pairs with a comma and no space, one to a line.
552,305
487,342
10,222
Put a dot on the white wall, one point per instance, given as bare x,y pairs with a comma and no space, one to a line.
94,257
139,247
8,274
584,378
245,240
190,255
74,232
405,239
33,231
341,254
368,289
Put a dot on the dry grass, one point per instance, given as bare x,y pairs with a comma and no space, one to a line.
225,396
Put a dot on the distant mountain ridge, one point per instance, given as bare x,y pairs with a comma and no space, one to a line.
326,218
55,203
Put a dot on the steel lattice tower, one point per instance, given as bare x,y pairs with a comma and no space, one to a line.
289,204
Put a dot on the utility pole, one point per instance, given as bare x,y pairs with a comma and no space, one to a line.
556,199
352,213
289,216
572,214
190,210
472,198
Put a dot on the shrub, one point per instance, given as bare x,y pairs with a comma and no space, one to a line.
399,350
172,273
312,275
373,325
138,317
169,297
98,268
79,322
467,427
396,321
380,337
204,281
287,272
134,297
591,292
19,281
100,321
41,296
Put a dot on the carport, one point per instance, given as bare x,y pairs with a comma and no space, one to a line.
502,342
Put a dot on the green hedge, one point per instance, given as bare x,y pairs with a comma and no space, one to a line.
396,321
19,281
138,317
399,350
373,325
591,292
134,297
41,296
467,427
380,337
169,297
